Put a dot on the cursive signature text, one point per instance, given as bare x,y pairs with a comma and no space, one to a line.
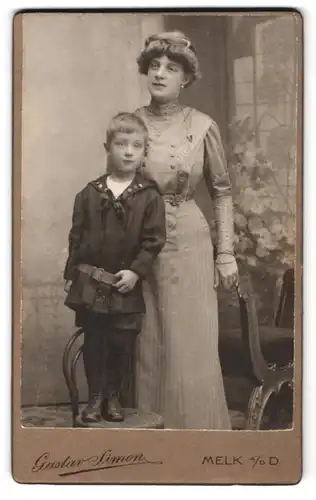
69,465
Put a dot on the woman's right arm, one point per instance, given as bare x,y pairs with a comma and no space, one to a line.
75,235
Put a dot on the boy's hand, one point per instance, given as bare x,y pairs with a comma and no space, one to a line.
67,286
127,281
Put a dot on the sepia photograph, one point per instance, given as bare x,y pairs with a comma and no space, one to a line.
160,181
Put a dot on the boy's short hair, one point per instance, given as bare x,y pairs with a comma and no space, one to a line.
126,123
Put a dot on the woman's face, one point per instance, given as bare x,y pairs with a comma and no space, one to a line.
165,78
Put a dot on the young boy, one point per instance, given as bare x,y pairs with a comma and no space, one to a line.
118,229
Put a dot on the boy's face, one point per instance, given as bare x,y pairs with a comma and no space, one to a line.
127,150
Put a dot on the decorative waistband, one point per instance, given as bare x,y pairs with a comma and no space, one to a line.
98,274
176,199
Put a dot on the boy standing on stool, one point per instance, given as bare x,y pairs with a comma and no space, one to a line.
118,229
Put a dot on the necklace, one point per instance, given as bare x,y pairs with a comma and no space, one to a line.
164,110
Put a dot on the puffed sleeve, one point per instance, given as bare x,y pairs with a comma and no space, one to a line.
215,166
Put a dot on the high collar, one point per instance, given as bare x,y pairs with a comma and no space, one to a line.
164,109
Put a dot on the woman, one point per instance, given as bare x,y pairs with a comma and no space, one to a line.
179,373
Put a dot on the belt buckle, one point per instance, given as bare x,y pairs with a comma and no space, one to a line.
177,200
174,199
100,298
96,274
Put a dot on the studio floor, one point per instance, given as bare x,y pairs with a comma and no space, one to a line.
60,416
237,392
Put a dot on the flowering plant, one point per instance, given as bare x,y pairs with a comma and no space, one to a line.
264,228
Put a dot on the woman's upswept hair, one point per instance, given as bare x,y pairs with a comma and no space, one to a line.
127,123
177,47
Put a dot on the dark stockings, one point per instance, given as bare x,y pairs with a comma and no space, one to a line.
93,363
106,356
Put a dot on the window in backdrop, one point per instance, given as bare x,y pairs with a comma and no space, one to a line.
262,154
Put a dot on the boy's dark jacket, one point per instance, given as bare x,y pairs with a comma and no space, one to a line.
115,234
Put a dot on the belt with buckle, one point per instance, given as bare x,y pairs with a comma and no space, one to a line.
176,199
98,274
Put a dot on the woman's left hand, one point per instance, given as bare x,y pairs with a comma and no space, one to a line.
226,271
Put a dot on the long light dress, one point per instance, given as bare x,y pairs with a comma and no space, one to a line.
178,369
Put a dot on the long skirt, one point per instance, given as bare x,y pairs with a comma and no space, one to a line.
178,369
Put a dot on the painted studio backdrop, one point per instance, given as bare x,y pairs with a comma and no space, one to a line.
78,71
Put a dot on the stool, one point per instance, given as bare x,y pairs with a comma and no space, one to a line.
134,418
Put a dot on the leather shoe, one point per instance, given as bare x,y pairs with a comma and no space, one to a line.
114,409
92,412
